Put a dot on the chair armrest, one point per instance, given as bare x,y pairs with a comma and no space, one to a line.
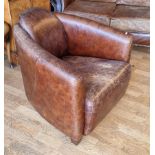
53,87
62,4
94,39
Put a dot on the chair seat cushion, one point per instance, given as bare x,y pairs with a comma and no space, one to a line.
131,18
105,82
94,10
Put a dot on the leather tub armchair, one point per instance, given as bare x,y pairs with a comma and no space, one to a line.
74,70
130,16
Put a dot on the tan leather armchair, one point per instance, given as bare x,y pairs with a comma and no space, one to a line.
74,70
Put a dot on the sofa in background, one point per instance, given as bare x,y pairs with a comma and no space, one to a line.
131,16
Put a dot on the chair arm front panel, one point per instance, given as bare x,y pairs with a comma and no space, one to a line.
52,86
89,38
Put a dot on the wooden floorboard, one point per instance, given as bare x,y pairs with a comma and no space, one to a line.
124,131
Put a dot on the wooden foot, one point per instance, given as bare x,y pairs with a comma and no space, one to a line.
75,141
8,51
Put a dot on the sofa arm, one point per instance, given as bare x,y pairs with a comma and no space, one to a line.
89,38
60,5
53,87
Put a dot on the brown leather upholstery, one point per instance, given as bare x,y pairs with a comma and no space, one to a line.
74,93
125,15
97,11
66,3
124,18
44,28
105,82
134,2
92,7
52,86
89,35
141,38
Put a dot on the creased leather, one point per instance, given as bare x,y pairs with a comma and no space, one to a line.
74,93
105,82
52,86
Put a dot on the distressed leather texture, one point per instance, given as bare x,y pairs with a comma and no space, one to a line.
44,28
72,89
89,35
131,16
105,82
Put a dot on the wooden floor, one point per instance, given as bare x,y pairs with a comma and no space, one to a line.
125,130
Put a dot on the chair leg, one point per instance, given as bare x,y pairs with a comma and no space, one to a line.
8,52
75,141
9,55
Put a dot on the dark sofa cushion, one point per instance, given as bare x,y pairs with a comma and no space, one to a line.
94,10
134,2
131,18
